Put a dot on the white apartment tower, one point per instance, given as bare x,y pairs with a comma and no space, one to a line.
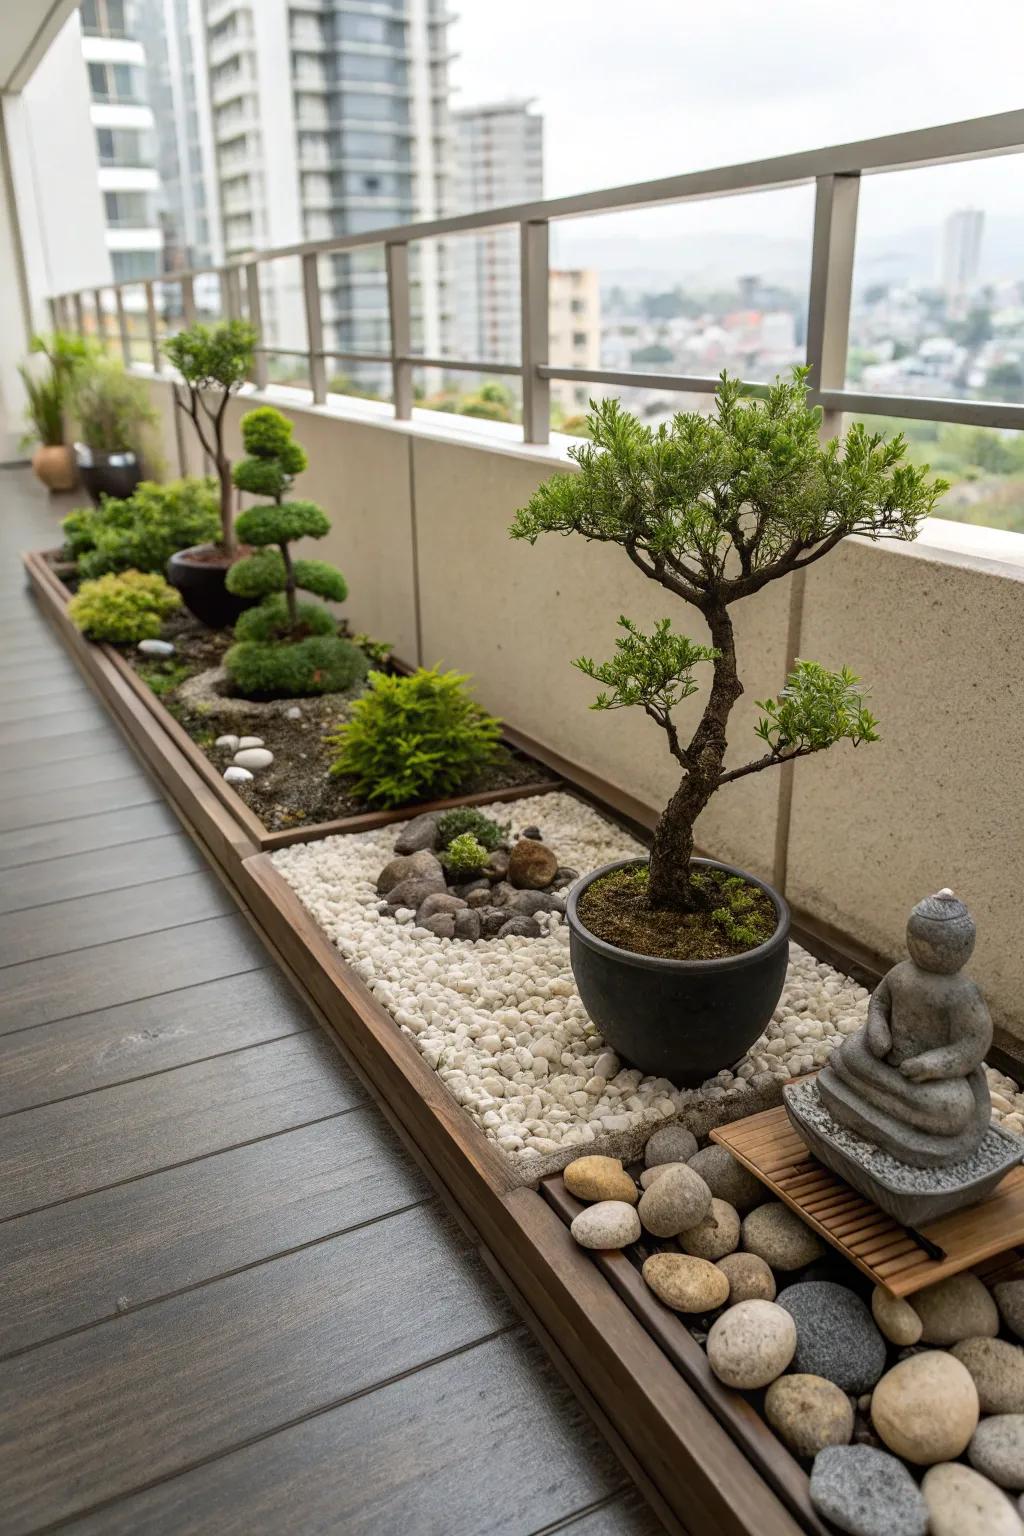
124,125
961,251
499,161
330,120
574,333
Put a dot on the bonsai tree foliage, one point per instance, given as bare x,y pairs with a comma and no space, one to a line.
285,647
713,508
214,361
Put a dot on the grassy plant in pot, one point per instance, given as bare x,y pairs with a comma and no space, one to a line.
681,961
214,362
46,400
114,416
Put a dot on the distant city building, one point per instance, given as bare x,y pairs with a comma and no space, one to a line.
499,161
574,333
961,251
124,125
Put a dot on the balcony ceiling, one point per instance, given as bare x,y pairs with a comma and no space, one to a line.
27,28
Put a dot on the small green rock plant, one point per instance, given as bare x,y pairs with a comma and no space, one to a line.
124,608
714,508
142,531
214,362
466,818
465,857
284,648
415,738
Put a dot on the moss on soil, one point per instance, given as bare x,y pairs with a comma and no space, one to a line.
735,916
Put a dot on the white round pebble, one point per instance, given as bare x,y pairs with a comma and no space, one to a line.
156,647
235,775
250,741
295,713
253,757
228,743
501,1021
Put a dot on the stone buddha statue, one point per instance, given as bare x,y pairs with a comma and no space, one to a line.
911,1080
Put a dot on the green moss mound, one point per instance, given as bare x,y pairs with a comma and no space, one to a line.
466,818
321,663
734,916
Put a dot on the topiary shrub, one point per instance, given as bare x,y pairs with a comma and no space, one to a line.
464,856
144,530
414,738
281,623
124,608
466,818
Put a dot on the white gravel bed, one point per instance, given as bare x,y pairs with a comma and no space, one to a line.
501,1023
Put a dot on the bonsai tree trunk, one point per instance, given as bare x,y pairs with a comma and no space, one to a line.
227,491
289,587
672,849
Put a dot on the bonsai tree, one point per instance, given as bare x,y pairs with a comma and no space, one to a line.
285,647
713,508
214,361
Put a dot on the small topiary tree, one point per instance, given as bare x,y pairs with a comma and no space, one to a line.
123,608
284,647
713,508
214,361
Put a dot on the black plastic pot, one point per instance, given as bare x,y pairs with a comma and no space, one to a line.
202,581
107,474
680,1019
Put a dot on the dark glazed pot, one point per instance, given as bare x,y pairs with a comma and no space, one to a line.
680,1019
201,578
107,474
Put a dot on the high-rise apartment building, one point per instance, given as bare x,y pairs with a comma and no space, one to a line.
499,161
330,120
574,333
126,141
961,251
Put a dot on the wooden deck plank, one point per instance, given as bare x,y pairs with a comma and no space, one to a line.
625,1515
155,1034
107,1411
82,1263
27,754
45,808
41,991
27,845
56,778
100,869
24,705
508,1451
82,716
68,1149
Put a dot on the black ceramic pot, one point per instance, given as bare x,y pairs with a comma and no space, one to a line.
200,575
680,1019
107,474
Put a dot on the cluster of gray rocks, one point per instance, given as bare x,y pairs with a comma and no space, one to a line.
868,1388
519,885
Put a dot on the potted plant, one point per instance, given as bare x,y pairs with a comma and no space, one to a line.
214,362
113,413
47,396
681,961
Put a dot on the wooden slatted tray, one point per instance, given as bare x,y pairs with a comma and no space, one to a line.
888,1253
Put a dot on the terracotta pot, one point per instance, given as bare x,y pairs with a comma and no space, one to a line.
54,464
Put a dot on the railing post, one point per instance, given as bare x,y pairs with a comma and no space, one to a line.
101,318
396,258
151,323
533,280
232,294
314,328
255,307
122,328
79,314
828,314
56,307
188,302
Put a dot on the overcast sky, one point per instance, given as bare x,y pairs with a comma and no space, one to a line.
653,87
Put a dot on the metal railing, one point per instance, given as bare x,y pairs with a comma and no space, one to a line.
835,173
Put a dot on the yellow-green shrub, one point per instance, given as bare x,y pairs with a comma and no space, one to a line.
123,608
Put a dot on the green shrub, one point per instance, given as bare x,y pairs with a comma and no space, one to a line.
414,738
143,531
466,818
111,407
464,856
124,608
271,621
318,664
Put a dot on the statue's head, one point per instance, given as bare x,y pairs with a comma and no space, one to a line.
940,933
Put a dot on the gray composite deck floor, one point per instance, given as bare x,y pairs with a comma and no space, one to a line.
228,1301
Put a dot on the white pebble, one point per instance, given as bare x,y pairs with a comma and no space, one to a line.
229,743
254,757
250,741
236,775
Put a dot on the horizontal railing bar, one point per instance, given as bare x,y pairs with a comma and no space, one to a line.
1001,133
684,383
359,357
972,413
283,351
457,364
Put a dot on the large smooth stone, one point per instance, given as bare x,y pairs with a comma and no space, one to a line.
156,647
599,1178
727,1178
609,1224
441,925
895,1317
253,758
717,1234
685,1283
749,1277
412,893
531,865
1009,1295
926,1408
808,1413
777,1235
835,1335
679,1199
997,1449
409,866
963,1503
227,743
670,1144
250,741
420,832
439,901
865,1492
751,1344
235,775
467,924
998,1370
649,1175
955,1309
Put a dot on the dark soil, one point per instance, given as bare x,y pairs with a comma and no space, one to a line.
736,916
